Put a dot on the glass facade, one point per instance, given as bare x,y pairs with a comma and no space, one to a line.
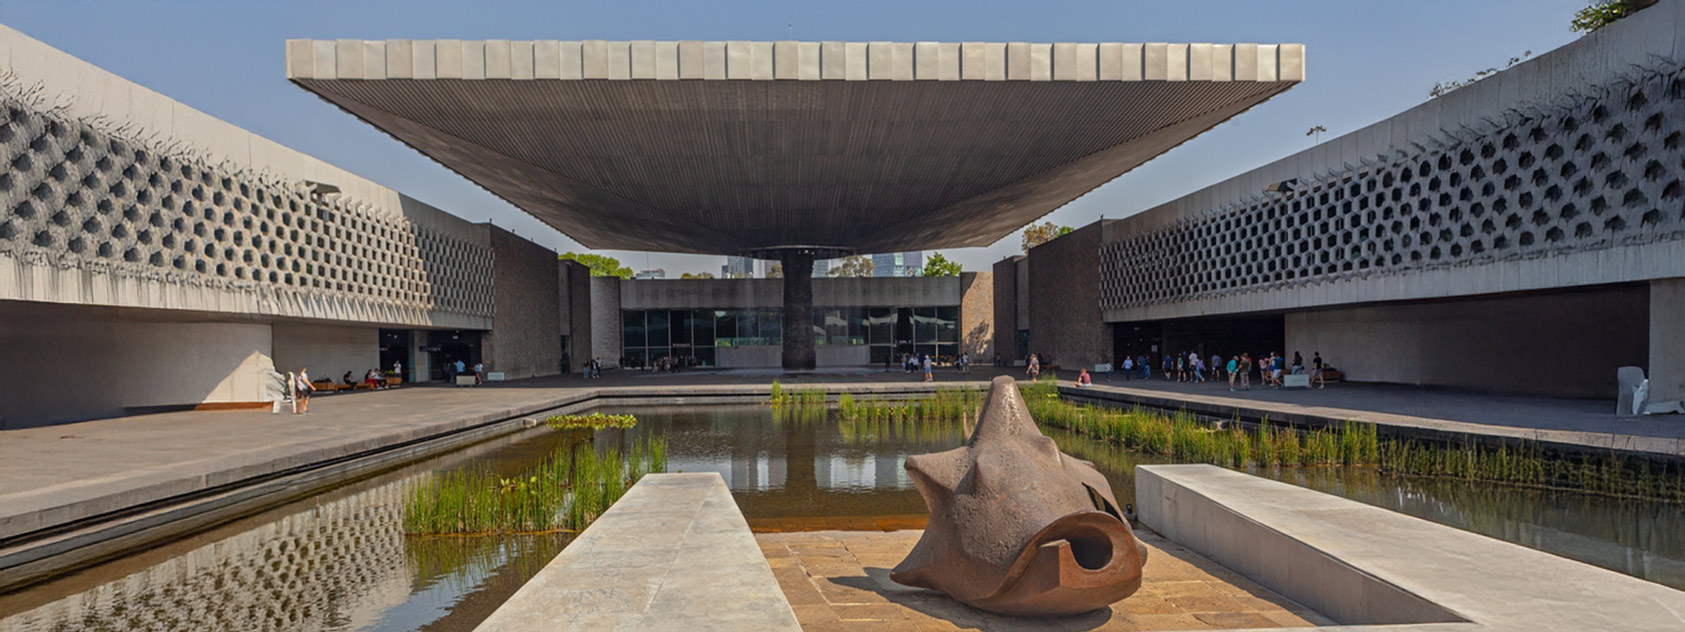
693,335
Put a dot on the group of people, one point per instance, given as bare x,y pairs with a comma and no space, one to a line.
453,369
372,378
1190,367
591,369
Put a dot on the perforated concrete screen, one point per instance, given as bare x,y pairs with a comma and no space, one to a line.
1591,171
745,147
76,195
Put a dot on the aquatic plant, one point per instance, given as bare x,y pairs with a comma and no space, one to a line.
593,421
1181,437
796,397
945,404
565,491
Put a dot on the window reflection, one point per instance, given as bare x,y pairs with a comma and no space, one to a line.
692,336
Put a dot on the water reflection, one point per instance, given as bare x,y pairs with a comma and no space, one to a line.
339,561
810,464
796,462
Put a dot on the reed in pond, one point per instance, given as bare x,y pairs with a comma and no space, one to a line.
565,491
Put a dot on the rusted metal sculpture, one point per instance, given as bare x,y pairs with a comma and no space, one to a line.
1016,526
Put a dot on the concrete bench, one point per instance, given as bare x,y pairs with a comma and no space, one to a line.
1300,380
673,554
1363,565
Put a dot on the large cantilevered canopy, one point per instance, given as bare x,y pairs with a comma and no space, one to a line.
757,147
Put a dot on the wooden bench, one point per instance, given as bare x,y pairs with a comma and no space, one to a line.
393,382
328,386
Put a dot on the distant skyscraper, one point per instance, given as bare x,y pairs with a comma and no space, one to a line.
897,264
739,268
822,268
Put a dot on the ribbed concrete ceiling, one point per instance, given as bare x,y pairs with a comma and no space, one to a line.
734,148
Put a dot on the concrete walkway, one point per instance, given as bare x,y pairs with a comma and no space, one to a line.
673,554
1441,412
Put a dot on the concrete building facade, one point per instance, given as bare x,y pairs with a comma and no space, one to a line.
154,257
1524,233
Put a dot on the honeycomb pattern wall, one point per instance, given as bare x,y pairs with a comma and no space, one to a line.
305,571
1594,171
75,194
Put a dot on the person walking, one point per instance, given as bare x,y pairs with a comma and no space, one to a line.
928,376
1298,363
1317,369
1216,366
1198,365
1245,372
302,390
1146,369
479,373
1128,367
1233,362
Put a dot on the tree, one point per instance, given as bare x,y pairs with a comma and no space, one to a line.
600,265
855,266
775,271
1601,14
698,275
938,265
1038,234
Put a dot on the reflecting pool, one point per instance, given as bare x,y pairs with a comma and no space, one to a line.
340,560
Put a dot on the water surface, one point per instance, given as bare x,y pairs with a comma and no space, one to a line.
339,561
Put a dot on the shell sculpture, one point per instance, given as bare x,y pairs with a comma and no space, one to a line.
1016,526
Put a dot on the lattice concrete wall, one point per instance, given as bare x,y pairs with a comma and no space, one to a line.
77,194
1589,172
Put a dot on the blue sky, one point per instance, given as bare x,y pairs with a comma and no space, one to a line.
1366,61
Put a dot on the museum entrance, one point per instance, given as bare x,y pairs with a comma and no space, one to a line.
448,347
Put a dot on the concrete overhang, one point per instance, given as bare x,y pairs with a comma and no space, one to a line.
749,147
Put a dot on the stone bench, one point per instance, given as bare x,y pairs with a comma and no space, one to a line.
1364,565
1299,380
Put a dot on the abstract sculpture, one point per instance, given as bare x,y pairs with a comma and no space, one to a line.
1016,526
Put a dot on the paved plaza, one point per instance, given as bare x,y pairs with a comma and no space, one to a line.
839,580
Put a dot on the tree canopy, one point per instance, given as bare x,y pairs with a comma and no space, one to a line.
938,265
697,275
1604,13
600,265
855,266
775,271
1038,234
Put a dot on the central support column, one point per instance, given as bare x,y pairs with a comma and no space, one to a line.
798,310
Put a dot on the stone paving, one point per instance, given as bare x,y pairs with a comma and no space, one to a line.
839,580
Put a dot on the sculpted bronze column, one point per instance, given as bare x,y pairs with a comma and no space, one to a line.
1016,526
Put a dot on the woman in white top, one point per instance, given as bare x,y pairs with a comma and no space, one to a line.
302,388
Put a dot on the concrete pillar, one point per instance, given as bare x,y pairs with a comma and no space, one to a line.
1667,340
798,310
